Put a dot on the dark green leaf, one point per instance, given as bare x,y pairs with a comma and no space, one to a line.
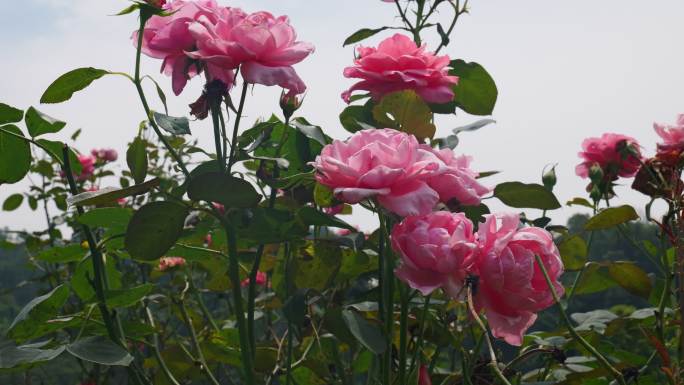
312,217
71,253
362,34
110,194
579,202
107,217
368,334
311,131
573,251
520,195
356,118
80,280
128,297
54,149
15,155
39,123
611,216
9,114
476,92
173,125
12,202
294,308
66,85
100,350
631,277
228,190
36,312
136,158
154,229
263,225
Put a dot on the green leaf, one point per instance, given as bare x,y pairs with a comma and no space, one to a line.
594,279
171,124
15,155
154,229
631,277
71,253
356,118
36,312
100,350
111,194
579,202
263,225
128,297
362,34
9,114
610,217
39,123
316,265
73,81
107,217
368,334
476,91
12,356
136,158
294,308
312,217
12,202
407,112
573,251
309,130
323,196
84,272
54,149
520,195
228,190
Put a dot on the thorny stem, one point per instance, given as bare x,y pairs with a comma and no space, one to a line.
568,324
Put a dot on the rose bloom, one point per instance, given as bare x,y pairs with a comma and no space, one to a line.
435,251
398,64
608,153
457,181
105,154
87,166
168,38
265,47
511,287
385,164
166,263
261,279
672,135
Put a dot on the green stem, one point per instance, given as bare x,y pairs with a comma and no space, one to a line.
141,93
215,108
238,116
576,282
155,349
195,342
288,363
419,341
568,324
403,321
234,274
458,11
388,282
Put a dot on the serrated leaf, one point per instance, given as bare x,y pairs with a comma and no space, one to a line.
362,34
66,85
610,217
110,194
171,124
521,195
9,114
407,112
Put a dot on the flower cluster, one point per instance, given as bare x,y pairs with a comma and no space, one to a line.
200,36
398,64
440,250
166,263
403,175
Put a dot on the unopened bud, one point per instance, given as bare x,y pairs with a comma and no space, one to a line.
596,174
549,178
289,104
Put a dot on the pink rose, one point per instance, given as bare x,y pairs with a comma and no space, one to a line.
610,153
261,279
168,38
385,164
672,136
457,181
87,166
398,64
263,46
435,251
105,154
512,288
166,263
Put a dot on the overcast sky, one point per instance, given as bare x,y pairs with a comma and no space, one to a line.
565,70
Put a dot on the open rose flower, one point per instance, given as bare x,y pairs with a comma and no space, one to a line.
457,181
399,64
385,164
105,154
611,154
672,135
87,167
166,263
435,251
168,38
265,47
512,288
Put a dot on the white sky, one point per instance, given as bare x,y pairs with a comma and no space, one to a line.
565,70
